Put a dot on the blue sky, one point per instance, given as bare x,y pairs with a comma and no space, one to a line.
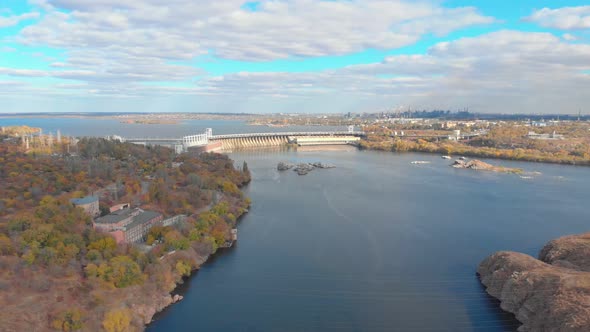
317,56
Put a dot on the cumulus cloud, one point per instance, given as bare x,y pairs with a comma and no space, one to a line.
504,71
277,29
143,39
565,18
8,21
569,37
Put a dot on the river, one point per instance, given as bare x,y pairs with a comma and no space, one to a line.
375,244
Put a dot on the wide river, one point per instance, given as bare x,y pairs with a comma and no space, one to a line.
375,244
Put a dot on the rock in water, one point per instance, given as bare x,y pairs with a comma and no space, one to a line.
482,166
459,164
551,293
320,165
284,166
302,171
303,168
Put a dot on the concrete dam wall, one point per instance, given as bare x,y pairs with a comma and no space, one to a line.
252,142
233,143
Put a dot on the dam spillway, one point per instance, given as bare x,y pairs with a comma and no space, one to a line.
232,143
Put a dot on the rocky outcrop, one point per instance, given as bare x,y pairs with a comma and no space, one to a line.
303,168
571,252
482,166
284,166
551,293
321,165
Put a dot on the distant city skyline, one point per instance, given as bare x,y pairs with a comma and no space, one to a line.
294,56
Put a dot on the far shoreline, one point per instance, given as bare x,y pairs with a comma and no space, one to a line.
483,156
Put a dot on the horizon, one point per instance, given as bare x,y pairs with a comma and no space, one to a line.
452,115
294,57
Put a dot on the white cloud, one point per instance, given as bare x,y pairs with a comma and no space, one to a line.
569,37
8,21
142,38
504,71
565,18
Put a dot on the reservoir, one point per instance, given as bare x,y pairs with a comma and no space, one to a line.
375,244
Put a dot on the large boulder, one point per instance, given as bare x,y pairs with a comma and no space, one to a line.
543,296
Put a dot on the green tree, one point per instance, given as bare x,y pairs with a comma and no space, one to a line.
68,320
125,272
117,320
183,268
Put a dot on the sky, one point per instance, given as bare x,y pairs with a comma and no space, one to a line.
294,56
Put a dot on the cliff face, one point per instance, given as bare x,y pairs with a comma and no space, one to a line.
551,293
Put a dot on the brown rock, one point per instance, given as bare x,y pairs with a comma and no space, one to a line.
569,251
544,297
482,166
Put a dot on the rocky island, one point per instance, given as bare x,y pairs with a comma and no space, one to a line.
302,168
551,293
482,166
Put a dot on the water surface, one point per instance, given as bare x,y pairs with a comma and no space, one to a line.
376,244
107,126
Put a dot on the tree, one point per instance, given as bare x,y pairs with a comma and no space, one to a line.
117,320
174,240
245,168
183,268
194,179
68,320
125,272
105,244
6,247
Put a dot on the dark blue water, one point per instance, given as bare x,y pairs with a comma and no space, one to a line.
376,244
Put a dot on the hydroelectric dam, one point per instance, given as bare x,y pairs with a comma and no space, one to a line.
207,142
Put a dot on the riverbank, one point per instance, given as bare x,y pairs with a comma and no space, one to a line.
171,297
551,293
454,148
54,297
